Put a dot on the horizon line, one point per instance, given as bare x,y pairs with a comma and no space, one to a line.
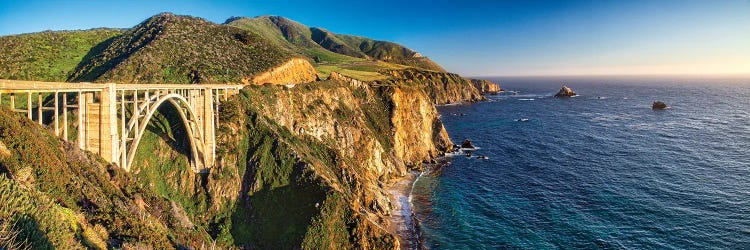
621,75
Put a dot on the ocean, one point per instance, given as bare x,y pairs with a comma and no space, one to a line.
598,171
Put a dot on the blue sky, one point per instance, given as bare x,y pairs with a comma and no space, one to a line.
476,38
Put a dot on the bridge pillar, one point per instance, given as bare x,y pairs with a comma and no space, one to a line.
90,122
108,136
208,128
100,121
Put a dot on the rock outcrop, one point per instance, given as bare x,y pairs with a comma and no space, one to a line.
4,152
565,91
296,70
486,87
658,105
467,144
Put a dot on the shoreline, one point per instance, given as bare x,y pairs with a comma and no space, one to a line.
402,221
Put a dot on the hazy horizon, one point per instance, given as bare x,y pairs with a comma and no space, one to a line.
475,38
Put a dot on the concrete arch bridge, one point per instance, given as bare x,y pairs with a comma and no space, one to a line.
112,118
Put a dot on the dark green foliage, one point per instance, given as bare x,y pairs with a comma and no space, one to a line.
275,211
332,43
49,55
331,230
81,191
169,48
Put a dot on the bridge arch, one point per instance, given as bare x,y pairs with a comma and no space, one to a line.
142,116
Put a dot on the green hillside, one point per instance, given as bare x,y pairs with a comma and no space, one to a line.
293,36
325,47
49,55
181,49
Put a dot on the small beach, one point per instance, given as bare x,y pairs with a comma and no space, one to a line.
402,219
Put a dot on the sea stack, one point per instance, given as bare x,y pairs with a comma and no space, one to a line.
467,144
565,92
658,105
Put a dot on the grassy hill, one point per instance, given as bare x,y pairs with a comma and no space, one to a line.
181,49
49,55
290,35
325,47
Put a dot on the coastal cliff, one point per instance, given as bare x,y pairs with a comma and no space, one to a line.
336,145
442,88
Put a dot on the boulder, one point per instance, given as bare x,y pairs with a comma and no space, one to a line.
658,105
565,92
4,152
467,144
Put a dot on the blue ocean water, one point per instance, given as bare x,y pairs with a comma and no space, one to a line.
601,170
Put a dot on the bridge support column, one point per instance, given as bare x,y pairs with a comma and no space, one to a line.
208,128
108,136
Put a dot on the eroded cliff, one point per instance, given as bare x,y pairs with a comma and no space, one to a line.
295,70
323,152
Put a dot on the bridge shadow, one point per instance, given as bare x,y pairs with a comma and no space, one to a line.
167,124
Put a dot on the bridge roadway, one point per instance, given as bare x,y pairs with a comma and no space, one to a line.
110,119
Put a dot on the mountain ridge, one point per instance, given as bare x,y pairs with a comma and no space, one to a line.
348,45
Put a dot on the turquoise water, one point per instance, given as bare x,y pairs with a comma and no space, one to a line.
601,170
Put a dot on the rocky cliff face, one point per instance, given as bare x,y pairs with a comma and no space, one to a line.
442,88
331,147
486,87
295,70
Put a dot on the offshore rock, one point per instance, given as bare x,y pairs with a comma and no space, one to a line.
658,105
565,91
467,144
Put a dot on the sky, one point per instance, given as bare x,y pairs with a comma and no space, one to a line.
469,37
